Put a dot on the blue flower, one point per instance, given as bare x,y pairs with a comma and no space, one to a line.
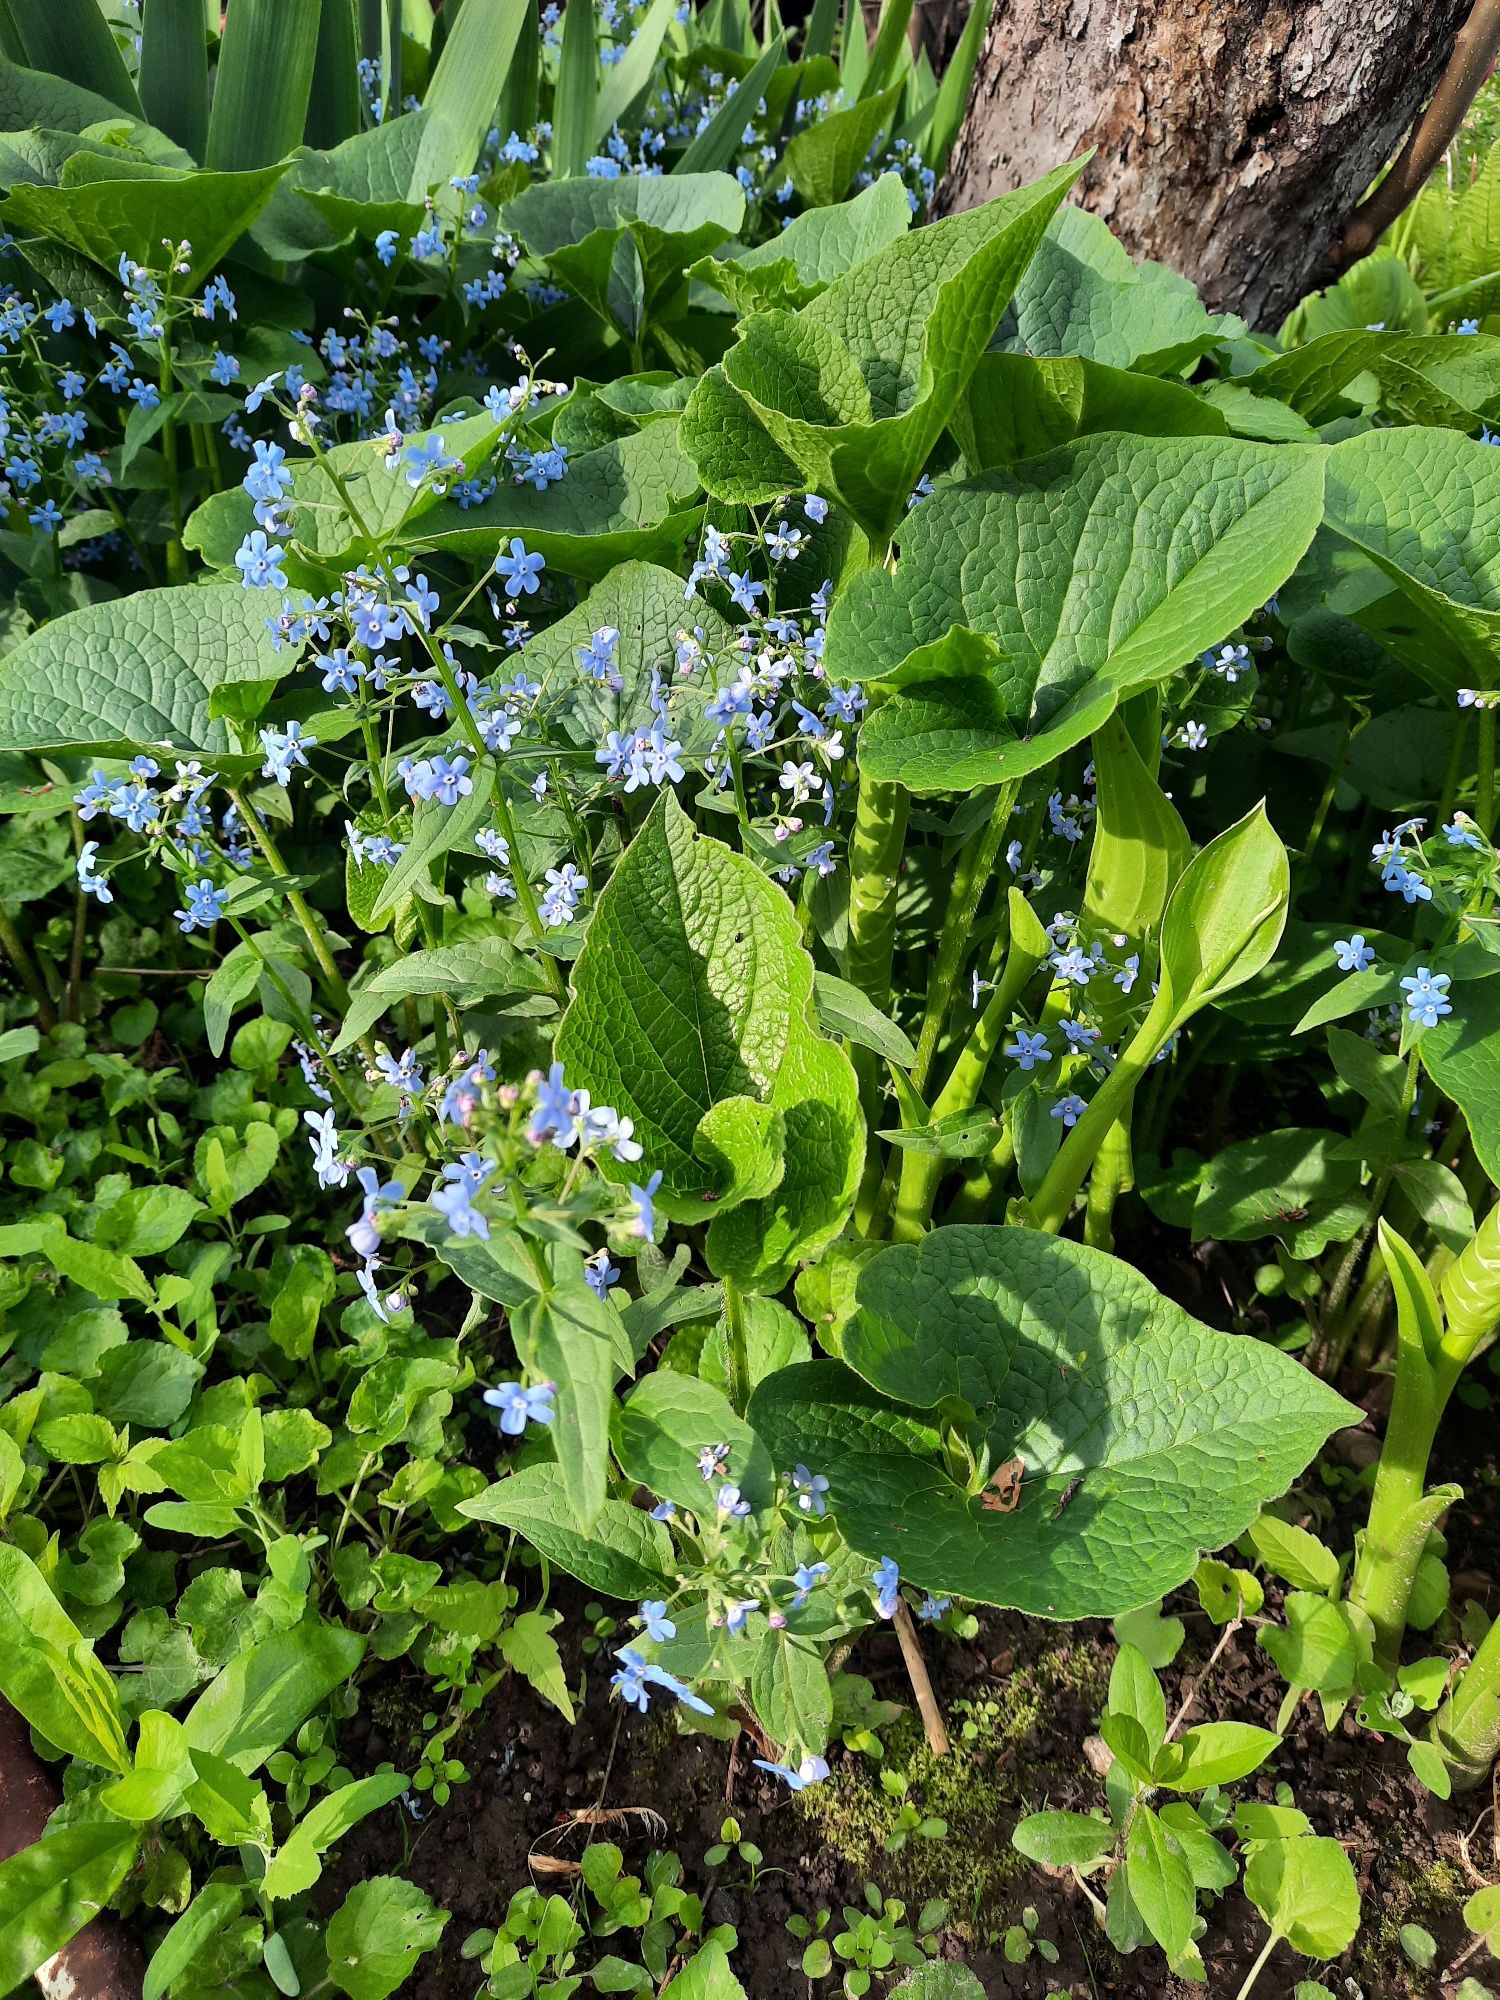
520,1406
1352,954
807,1577
205,906
1029,1049
811,1771
932,1608
1462,832
815,508
653,1615
645,1206
90,883
455,1203
1069,1109
636,1674
885,1580
520,568
1427,997
729,1500
810,1488
258,560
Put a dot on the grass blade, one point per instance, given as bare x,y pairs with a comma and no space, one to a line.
822,26
333,107
890,46
10,40
264,81
631,75
716,144
854,55
573,112
71,38
174,71
466,87
772,25
519,99
953,92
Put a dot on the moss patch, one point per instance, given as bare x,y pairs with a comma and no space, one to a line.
1001,1763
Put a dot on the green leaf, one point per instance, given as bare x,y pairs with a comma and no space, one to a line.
1294,1555
790,1693
574,1335
463,91
573,101
136,674
846,1010
1161,1884
941,1981
475,968
822,159
1171,1435
1319,1647
713,149
48,1892
1462,1056
1216,1753
215,1905
436,830
297,1863
1063,1839
48,1672
72,39
1019,406
1084,294
1276,1184
855,389
1135,1691
693,987
381,1929
645,606
262,84
263,1694
667,1420
102,217
1305,1890
633,499
706,1976
1421,505
625,1553
1110,565
816,247
626,80
527,1645
174,74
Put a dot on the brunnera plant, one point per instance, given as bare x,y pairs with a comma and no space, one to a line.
714,783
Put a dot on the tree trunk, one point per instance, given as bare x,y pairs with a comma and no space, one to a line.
1234,137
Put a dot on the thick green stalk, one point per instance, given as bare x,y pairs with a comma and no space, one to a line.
1466,1729
1110,1106
875,850
922,1172
1484,791
736,1343
970,878
1112,1176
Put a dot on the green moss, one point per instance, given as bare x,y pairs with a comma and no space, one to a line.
1429,1896
1001,1762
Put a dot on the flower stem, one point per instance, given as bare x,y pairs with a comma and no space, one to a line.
970,879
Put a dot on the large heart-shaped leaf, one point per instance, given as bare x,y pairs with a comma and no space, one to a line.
132,209
137,674
1083,293
1019,407
1029,599
692,1013
645,606
855,388
1146,1437
816,247
1424,506
1462,1054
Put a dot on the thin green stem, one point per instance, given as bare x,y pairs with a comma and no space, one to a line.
317,942
1259,1966
26,972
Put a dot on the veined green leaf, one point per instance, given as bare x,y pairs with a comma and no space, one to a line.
624,1554
1167,1436
132,211
49,1675
48,1892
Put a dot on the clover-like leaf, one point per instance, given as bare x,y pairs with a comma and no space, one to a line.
1028,600
137,674
693,988
855,388
1424,506
1145,1436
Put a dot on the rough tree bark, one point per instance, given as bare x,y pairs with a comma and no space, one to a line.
1234,137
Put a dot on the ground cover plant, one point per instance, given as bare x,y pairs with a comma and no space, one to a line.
676,844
